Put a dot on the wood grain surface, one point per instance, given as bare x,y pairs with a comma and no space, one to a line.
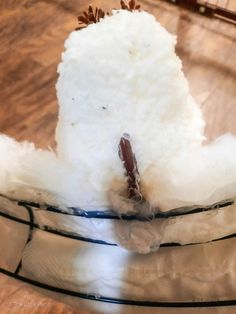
32,34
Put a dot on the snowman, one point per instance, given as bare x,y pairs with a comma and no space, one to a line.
133,209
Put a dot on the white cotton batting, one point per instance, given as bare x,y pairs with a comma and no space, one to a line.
118,76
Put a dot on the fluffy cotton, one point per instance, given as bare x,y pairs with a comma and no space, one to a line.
35,175
208,175
122,76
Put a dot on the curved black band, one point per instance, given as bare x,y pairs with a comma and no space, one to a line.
99,298
31,225
60,233
81,238
110,214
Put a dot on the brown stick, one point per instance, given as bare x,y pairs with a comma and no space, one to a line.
130,164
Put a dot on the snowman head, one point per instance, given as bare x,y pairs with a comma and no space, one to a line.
122,76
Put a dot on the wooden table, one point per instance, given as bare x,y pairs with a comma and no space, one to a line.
32,34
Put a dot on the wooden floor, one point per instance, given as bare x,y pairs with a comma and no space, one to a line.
32,34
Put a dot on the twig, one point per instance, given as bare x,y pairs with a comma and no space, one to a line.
90,17
130,164
131,6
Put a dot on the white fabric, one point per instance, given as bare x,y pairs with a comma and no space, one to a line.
13,237
191,273
185,273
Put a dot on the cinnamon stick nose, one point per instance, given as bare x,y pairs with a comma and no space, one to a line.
130,164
